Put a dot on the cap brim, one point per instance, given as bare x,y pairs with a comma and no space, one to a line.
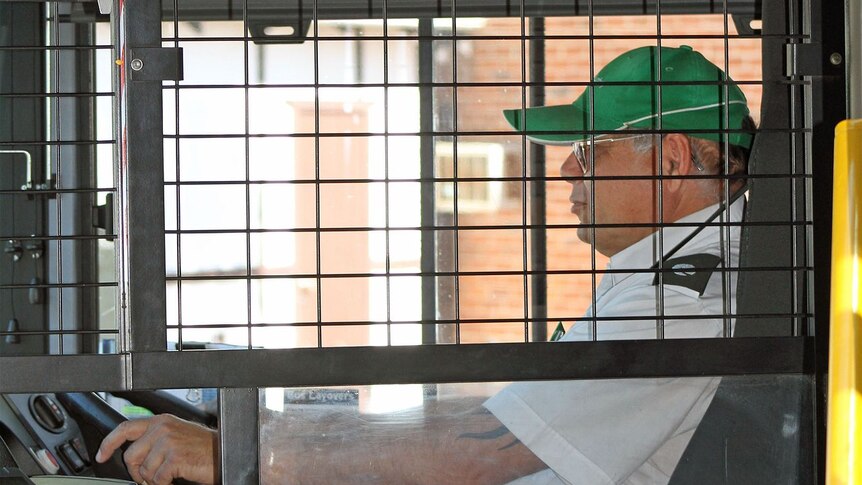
549,125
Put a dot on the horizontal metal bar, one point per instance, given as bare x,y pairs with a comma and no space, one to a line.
25,286
476,227
186,277
29,333
490,37
23,238
57,143
467,179
51,48
79,94
34,192
466,322
278,12
478,84
402,365
56,373
472,363
438,133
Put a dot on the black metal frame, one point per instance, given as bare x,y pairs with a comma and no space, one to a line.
828,105
145,364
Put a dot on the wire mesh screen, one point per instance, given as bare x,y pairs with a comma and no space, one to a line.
58,282
346,177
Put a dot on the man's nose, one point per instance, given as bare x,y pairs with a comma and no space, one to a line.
571,169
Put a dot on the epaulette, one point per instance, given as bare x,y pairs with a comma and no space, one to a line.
692,271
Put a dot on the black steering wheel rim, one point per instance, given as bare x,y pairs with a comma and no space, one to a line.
94,414
97,418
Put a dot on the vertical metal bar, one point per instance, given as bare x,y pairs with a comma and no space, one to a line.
660,182
426,186
724,230
247,173
524,169
53,136
538,233
797,207
141,185
456,294
386,168
589,178
799,203
239,444
317,216
803,163
178,187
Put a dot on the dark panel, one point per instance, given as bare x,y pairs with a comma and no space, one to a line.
828,106
469,363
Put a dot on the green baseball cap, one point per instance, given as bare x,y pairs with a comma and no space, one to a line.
696,98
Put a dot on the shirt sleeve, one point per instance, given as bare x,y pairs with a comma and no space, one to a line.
604,431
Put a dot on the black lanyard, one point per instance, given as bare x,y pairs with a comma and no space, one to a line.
721,208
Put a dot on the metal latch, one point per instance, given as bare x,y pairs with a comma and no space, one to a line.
155,64
29,183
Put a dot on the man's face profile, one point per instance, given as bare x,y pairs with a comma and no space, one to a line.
630,199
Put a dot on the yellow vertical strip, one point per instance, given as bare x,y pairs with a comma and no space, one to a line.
844,432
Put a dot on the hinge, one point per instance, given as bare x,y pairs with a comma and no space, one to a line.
155,64
812,60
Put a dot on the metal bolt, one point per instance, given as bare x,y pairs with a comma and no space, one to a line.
137,64
835,58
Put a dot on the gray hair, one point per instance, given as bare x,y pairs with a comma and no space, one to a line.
709,154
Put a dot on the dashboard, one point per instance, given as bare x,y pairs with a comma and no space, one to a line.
42,436
53,437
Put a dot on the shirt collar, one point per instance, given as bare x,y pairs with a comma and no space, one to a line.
644,253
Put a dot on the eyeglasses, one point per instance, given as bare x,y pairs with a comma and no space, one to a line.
582,150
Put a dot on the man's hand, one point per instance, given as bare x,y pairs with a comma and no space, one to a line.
164,448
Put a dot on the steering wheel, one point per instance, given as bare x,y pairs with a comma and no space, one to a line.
97,418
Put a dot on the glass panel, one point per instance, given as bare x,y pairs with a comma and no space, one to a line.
753,429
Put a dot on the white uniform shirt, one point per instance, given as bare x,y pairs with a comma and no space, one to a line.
632,431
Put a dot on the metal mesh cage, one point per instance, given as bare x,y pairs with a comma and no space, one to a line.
356,184
342,177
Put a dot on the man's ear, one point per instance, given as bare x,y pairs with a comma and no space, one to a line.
676,159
